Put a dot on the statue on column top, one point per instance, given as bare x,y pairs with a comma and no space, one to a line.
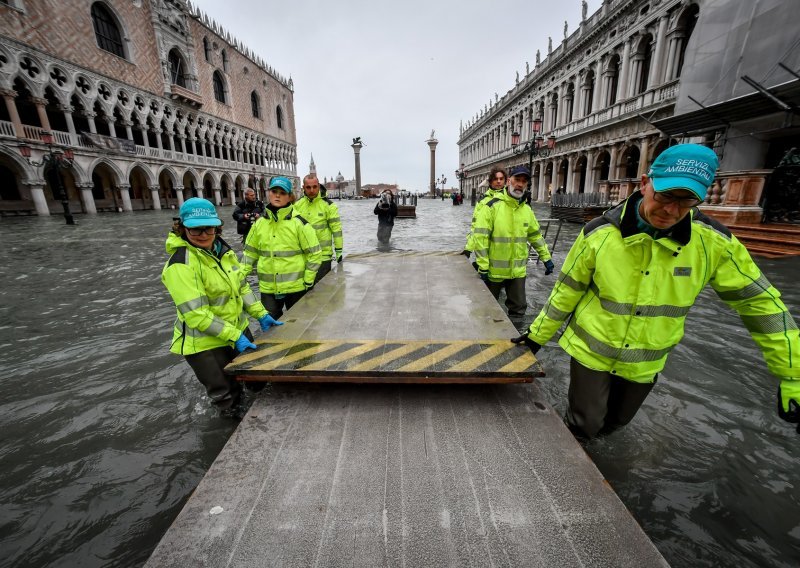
538,57
566,27
527,68
549,45
584,9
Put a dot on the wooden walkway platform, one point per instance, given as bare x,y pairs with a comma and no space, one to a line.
414,475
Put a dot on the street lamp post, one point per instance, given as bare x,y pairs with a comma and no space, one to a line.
535,147
442,180
52,161
461,174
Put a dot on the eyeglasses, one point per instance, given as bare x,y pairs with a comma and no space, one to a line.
197,231
668,198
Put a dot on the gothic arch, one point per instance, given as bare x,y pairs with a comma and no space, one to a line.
111,165
148,173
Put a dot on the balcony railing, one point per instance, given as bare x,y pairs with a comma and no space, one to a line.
7,129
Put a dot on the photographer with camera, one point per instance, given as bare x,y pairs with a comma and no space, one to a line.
247,212
386,210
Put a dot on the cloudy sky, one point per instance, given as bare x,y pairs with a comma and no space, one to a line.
391,72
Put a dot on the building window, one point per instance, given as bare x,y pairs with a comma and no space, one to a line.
225,61
255,104
206,49
219,87
279,116
177,69
106,30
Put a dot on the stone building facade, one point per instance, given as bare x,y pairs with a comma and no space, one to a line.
157,102
638,76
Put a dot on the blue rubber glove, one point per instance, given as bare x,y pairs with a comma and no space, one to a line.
549,267
267,321
243,344
789,401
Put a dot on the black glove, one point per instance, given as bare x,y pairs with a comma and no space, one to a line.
787,397
530,343
484,275
466,252
548,267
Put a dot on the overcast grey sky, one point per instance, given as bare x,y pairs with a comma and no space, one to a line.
391,72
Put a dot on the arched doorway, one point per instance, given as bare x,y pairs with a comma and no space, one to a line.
629,162
208,188
189,186
224,191
549,185
536,193
166,189
140,192
55,177
579,178
561,176
105,189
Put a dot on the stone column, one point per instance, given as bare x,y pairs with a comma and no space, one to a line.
656,66
554,176
157,132
183,143
145,140
11,106
171,142
87,198
154,193
39,200
124,191
179,194
590,172
128,130
111,129
90,119
41,110
643,158
672,56
217,196
569,183
622,82
599,84
199,190
67,112
432,142
612,163
542,182
194,145
635,75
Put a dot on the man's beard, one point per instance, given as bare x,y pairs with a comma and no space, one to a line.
516,193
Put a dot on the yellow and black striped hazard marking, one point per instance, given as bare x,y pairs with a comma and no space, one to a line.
385,361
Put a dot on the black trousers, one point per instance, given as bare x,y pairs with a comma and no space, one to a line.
275,305
600,402
515,294
324,268
208,366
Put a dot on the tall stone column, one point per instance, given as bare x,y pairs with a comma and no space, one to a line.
356,146
11,105
432,142
612,163
67,112
154,193
38,198
124,191
622,83
643,158
569,182
657,66
41,110
109,120
217,196
590,172
179,194
542,183
87,198
199,190
128,130
90,119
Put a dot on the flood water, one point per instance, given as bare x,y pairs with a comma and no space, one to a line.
105,434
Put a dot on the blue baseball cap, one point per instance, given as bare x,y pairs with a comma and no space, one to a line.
199,212
281,182
685,166
520,171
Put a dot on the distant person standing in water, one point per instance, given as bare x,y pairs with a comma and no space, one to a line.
213,300
386,210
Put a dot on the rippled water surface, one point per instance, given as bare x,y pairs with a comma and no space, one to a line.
105,433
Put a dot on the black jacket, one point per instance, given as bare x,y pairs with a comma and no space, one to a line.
386,216
250,207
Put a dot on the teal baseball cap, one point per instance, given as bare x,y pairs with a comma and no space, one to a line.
199,212
685,166
281,182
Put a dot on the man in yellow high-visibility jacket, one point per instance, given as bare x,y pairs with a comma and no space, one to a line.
629,281
323,215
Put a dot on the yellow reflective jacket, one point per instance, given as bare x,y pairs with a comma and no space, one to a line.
323,215
210,294
488,196
285,251
628,294
503,229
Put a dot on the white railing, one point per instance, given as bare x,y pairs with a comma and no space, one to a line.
33,132
154,153
141,150
63,138
7,129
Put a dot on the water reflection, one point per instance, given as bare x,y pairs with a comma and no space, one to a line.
105,434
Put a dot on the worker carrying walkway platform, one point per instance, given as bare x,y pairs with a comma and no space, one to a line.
415,475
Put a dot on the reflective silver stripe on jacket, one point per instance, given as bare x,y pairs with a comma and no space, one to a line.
326,243
750,291
480,231
289,277
508,239
249,299
572,283
286,253
318,226
192,305
554,313
481,253
336,233
221,301
770,323
313,266
315,248
618,353
625,309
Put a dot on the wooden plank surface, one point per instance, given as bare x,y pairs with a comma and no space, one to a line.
402,317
